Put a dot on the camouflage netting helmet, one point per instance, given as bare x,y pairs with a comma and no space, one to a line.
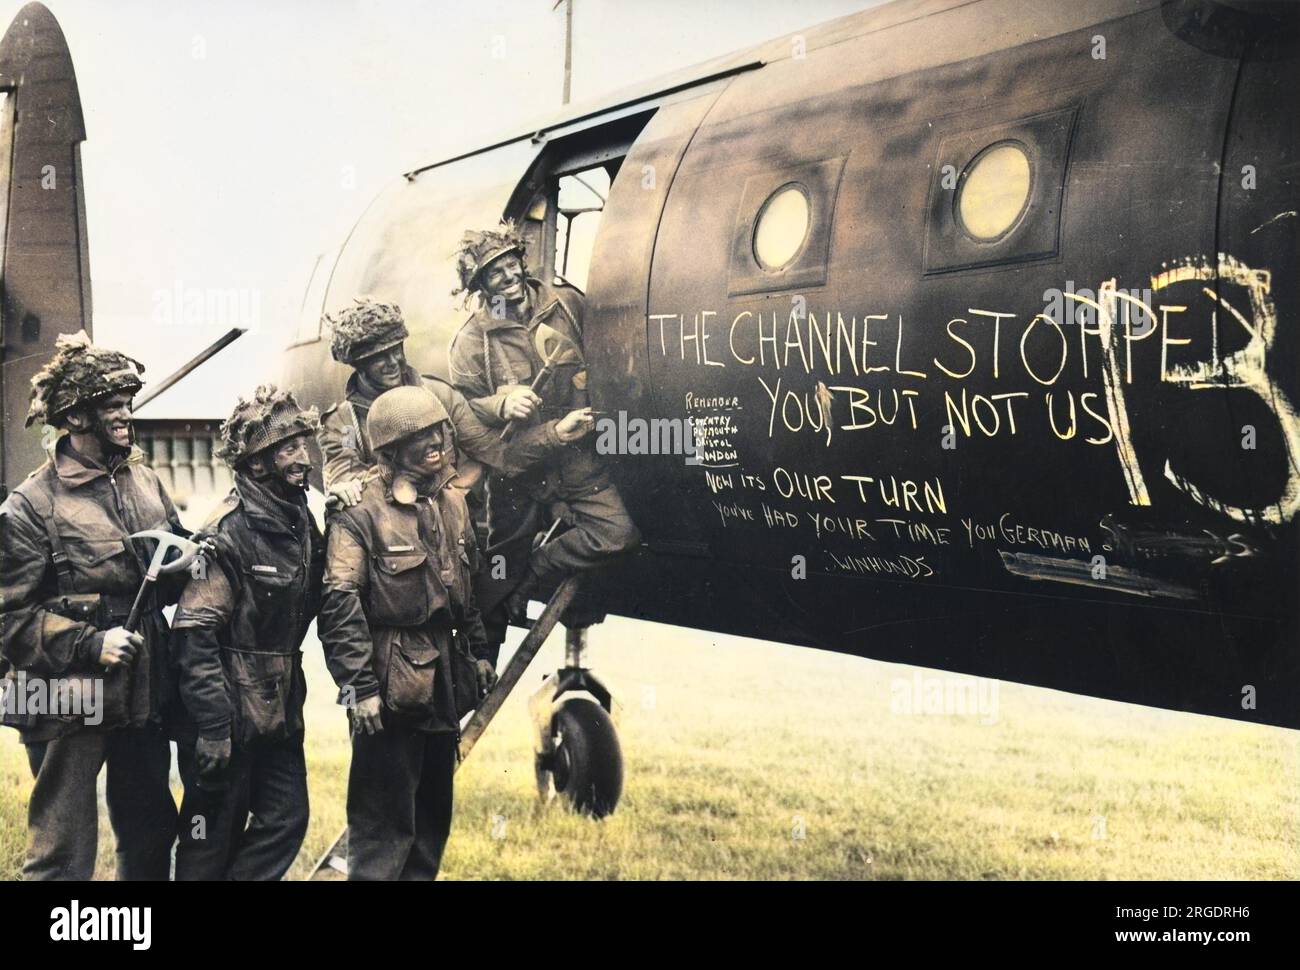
400,412
478,249
364,329
271,416
79,372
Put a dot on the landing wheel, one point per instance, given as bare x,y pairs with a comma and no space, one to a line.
586,763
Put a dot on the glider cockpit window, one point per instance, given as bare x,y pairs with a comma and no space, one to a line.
580,199
558,203
783,229
996,193
559,227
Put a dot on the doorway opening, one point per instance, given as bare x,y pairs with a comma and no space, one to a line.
558,205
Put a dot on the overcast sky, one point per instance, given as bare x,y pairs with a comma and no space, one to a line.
229,143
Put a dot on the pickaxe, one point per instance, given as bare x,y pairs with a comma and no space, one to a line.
554,348
167,541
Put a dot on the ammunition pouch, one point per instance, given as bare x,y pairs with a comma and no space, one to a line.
405,662
464,675
101,612
83,607
268,689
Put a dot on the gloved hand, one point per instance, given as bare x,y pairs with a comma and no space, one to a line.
212,757
487,676
119,647
364,716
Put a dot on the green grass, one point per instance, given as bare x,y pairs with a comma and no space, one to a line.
734,748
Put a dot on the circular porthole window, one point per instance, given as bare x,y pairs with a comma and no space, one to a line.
994,192
782,227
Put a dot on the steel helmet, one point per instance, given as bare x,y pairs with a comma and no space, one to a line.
403,411
77,373
269,417
364,329
478,249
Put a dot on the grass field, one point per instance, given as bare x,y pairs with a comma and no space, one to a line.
751,760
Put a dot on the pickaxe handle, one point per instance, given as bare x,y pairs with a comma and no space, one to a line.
166,541
134,616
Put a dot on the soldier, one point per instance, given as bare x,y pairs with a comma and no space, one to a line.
370,337
68,577
237,635
400,629
493,360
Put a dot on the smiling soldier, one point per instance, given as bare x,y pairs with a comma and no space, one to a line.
493,360
69,574
238,632
370,337
400,630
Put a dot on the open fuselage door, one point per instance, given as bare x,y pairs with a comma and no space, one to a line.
43,259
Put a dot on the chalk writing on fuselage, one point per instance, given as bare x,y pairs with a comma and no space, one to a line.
817,370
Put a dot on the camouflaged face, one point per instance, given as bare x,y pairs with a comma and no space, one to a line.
365,328
79,372
477,249
266,419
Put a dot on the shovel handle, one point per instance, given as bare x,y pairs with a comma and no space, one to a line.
539,382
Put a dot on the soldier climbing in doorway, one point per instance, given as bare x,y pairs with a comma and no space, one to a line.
494,361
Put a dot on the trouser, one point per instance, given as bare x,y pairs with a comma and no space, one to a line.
252,828
63,815
399,803
599,527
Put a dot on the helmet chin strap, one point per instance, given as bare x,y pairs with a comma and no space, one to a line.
279,484
519,309
405,485
373,388
113,452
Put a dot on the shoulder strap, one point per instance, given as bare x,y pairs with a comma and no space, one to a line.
349,414
560,296
487,363
229,502
44,509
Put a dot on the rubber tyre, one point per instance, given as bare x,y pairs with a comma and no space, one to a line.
587,766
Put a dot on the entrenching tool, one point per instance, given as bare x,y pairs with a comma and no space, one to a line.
555,349
167,541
